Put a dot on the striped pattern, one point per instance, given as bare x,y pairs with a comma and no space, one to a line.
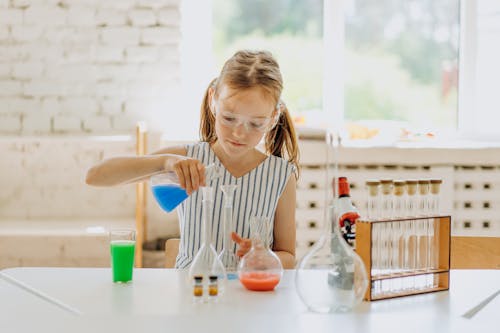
257,194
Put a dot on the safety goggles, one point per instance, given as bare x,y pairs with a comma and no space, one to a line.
252,124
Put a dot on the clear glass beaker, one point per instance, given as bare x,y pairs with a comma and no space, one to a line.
227,256
167,191
260,269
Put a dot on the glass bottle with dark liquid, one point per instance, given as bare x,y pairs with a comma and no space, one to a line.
348,214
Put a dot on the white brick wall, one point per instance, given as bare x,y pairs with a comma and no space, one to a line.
9,123
44,177
71,66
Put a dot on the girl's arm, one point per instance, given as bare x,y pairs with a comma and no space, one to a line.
124,170
284,225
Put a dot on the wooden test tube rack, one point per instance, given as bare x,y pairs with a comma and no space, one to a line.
442,237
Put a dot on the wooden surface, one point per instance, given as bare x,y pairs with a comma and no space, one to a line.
171,250
140,197
475,252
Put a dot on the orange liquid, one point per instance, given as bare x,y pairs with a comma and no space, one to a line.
259,281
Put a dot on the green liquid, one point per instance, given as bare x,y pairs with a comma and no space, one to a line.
122,260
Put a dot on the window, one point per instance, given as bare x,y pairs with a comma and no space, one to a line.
480,69
290,29
401,60
371,65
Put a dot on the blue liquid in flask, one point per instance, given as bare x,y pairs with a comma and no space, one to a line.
169,196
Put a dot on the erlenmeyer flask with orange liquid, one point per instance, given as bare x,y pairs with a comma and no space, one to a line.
167,190
260,269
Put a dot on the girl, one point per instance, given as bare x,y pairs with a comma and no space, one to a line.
240,107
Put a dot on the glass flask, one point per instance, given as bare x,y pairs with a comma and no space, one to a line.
206,262
167,191
227,256
331,277
260,269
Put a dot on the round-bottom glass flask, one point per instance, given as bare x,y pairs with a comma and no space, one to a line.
260,269
331,277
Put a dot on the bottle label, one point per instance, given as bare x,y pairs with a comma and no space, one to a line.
348,227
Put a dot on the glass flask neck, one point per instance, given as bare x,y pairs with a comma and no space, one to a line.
206,225
213,171
337,242
259,232
228,191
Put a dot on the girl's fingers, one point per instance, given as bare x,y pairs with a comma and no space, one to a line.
195,179
235,237
180,175
187,178
243,250
244,244
201,172
191,173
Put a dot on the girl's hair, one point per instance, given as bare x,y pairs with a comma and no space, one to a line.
250,69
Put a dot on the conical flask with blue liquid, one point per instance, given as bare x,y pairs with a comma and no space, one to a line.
167,190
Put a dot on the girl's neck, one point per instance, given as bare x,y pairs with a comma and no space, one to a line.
239,166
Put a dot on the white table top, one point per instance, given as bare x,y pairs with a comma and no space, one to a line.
161,299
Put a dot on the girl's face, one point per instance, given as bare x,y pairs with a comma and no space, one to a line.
242,118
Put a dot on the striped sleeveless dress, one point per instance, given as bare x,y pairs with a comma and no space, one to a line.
257,194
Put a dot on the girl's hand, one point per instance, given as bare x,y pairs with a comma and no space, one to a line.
244,244
191,172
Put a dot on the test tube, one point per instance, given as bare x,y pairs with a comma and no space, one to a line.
398,232
399,198
411,203
434,196
423,231
434,210
373,205
411,232
423,197
373,213
387,208
386,233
